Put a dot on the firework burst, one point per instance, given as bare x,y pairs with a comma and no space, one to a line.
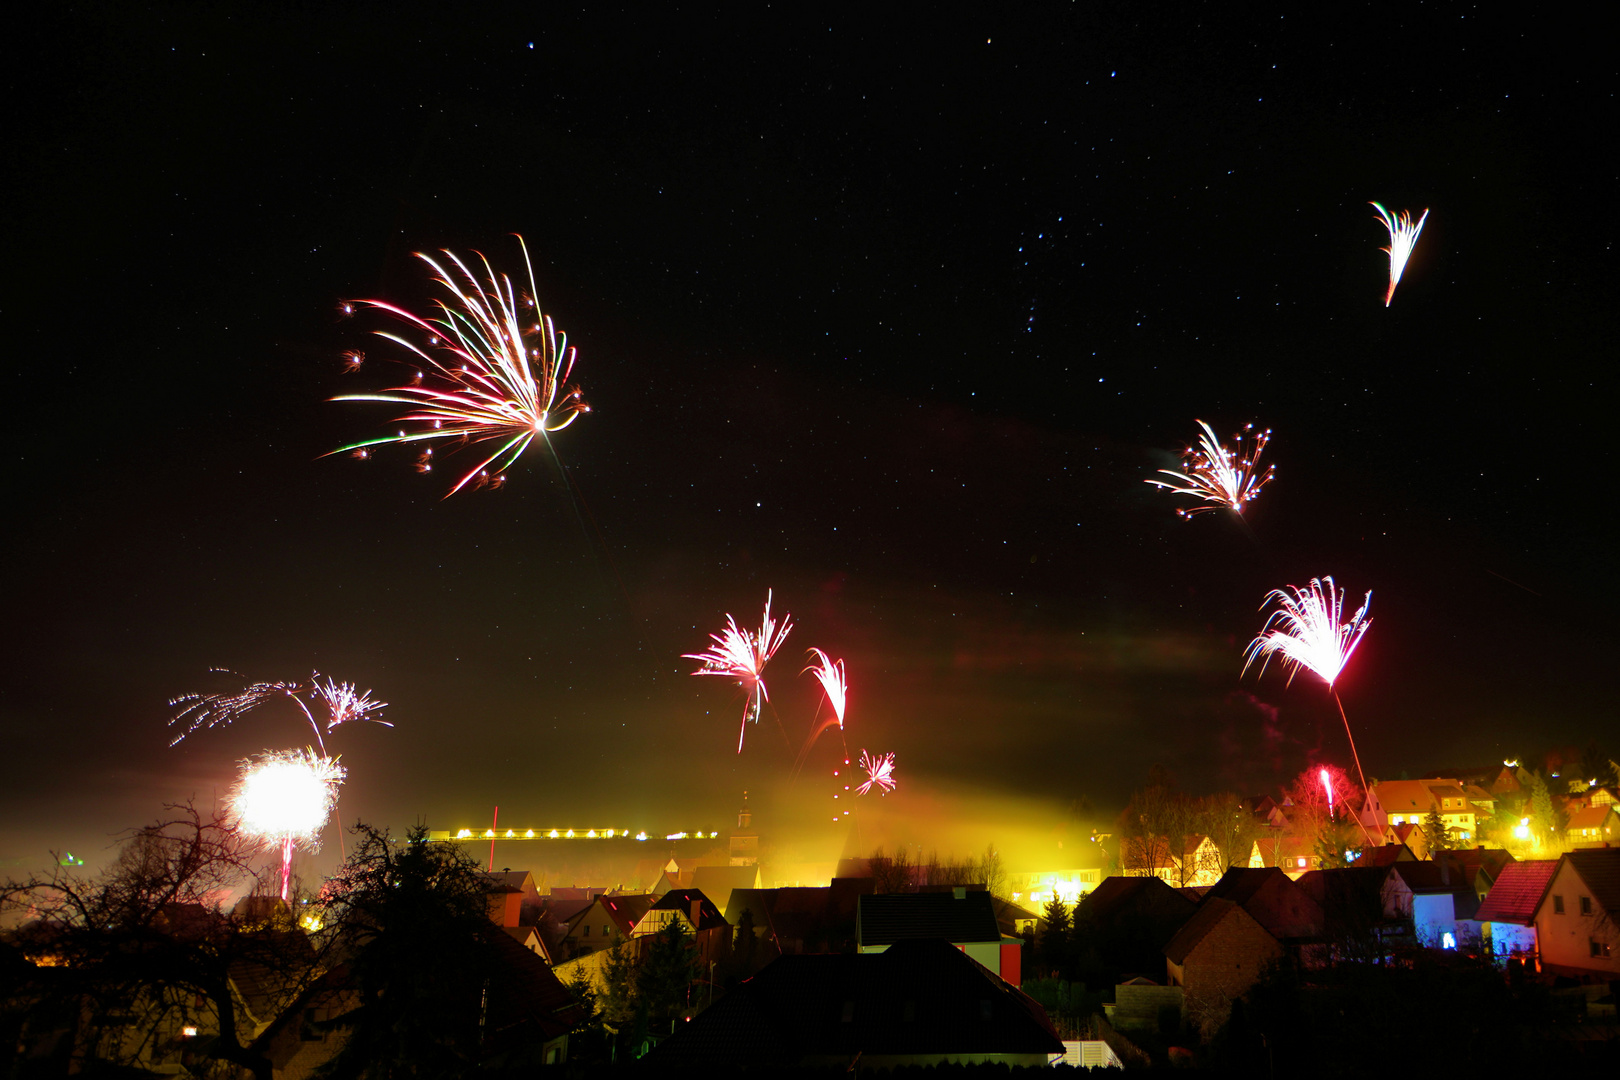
738,654
1307,630
1403,236
341,701
879,773
1219,476
490,371
283,799
830,674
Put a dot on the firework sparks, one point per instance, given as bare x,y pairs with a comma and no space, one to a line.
1403,236
1327,786
283,799
831,676
493,377
342,701
879,773
1217,475
1306,630
738,654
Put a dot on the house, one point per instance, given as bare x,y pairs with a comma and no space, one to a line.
601,924
1578,919
1508,912
1479,866
1386,854
1597,824
917,1002
1216,957
710,931
1129,921
505,902
1034,888
803,918
1014,920
1361,911
1198,863
529,899
1272,899
1292,854
1409,802
964,917
1441,902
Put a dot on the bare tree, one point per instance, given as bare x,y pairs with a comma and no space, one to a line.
1225,818
892,873
143,960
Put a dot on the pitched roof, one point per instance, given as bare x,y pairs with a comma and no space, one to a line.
1240,883
921,997
1387,854
1405,797
718,881
1592,817
1517,892
1209,915
884,918
709,917
1600,869
1115,896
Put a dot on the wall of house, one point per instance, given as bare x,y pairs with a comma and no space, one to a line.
1433,917
1567,939
1510,938
987,953
1224,965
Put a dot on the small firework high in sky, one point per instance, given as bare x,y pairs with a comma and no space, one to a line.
741,655
342,701
1218,476
490,369
1403,236
879,773
283,799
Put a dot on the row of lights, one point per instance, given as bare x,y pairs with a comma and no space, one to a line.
570,834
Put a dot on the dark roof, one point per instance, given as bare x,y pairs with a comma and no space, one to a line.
919,997
1209,915
1435,878
709,918
1240,883
525,998
1475,861
1517,892
1600,869
1115,896
884,918
1387,854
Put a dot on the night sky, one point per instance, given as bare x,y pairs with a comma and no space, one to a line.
892,317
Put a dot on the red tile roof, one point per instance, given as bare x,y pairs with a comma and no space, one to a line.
1517,892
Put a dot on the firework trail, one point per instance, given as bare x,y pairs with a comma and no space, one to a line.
831,676
483,376
1403,236
1327,786
1218,476
1306,629
738,654
879,773
342,702
283,799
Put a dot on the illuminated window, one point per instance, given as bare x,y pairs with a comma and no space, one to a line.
1599,948
604,931
1558,905
1586,905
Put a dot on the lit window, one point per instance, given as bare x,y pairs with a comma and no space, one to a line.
190,1030
604,931
1599,948
1302,860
